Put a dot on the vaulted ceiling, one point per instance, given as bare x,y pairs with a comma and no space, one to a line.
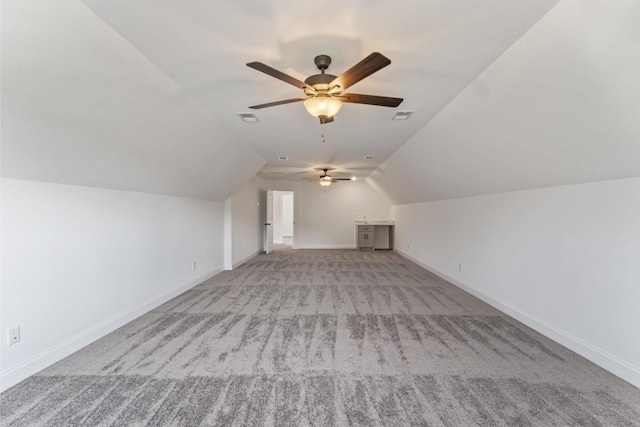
144,95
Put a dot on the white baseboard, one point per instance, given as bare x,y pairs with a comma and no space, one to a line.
314,246
35,364
605,360
239,263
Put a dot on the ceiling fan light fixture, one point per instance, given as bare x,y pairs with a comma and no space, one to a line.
325,180
322,106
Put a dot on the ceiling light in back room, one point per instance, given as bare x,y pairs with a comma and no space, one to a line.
325,181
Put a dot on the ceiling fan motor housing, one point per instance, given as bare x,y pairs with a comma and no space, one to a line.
320,82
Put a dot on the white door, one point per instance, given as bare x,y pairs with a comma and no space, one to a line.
268,223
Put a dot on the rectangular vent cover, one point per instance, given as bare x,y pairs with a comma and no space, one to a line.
248,117
402,115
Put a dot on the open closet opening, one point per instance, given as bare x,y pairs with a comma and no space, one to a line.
283,217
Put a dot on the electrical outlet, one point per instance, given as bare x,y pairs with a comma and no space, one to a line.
13,335
194,265
460,267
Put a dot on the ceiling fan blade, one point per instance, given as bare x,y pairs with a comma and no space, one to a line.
356,98
279,75
369,65
319,180
272,104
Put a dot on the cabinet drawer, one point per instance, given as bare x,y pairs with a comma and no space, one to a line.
362,228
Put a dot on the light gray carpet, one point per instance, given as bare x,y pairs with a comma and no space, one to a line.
323,338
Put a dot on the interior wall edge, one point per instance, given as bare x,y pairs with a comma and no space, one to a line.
242,261
35,364
605,360
565,259
314,246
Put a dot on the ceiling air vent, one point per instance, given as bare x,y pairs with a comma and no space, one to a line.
369,157
248,117
283,158
402,115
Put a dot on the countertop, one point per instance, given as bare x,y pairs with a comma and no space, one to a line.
376,222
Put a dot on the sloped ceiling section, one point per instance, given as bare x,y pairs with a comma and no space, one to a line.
142,95
81,106
436,47
561,106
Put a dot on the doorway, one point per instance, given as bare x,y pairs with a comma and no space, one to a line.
283,218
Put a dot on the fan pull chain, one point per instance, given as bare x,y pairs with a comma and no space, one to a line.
322,133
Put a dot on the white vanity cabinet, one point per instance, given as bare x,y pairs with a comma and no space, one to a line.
374,235
366,236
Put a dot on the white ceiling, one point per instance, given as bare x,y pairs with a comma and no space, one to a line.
143,95
561,106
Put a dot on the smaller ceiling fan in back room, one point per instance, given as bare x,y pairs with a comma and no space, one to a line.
323,91
326,179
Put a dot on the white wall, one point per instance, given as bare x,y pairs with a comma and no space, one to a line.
228,234
78,262
563,260
246,221
247,207
329,214
324,218
545,113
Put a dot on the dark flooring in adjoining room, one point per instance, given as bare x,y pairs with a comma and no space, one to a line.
323,338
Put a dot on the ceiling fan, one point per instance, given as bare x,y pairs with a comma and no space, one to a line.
326,179
323,91
297,171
